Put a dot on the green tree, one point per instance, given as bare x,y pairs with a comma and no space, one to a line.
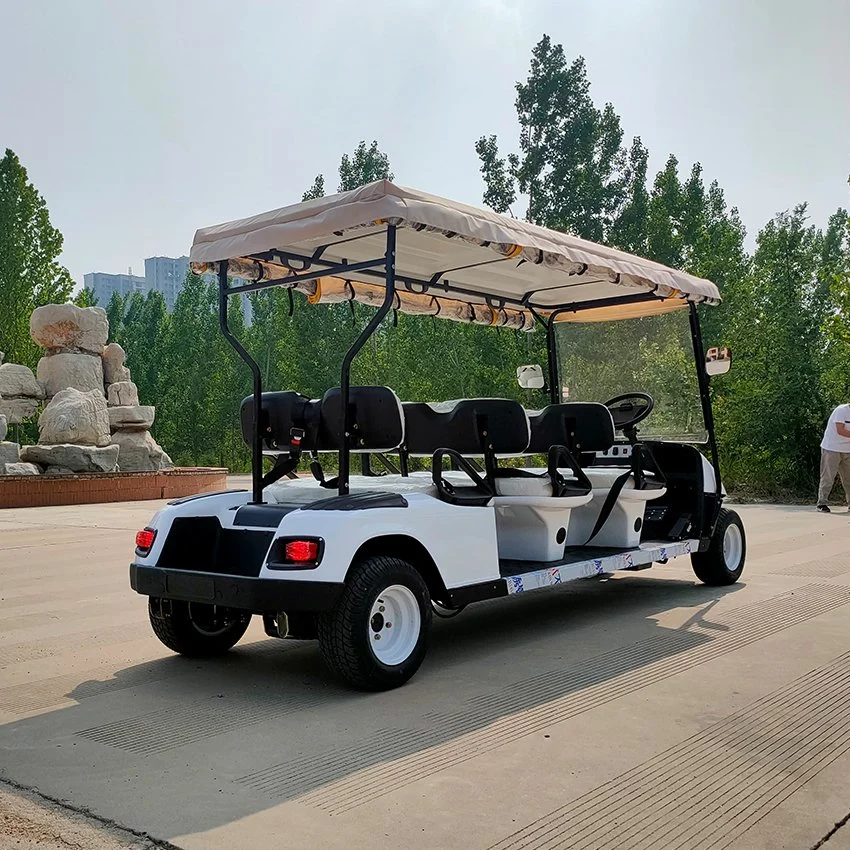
115,310
364,166
30,274
317,190
85,298
571,165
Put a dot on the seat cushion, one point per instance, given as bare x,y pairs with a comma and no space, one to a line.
530,485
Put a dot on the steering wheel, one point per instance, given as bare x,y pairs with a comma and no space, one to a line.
629,408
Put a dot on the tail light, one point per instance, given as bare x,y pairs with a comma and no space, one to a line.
296,553
144,541
302,551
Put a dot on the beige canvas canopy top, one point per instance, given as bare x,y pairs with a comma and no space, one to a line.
452,260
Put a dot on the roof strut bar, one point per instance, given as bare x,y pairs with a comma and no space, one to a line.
345,378
256,438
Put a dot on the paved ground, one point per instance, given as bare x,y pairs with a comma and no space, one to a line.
642,711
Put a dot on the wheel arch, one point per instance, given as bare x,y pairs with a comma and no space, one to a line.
409,549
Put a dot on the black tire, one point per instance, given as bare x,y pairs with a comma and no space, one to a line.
346,631
196,629
711,566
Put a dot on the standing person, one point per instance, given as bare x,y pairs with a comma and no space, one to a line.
835,456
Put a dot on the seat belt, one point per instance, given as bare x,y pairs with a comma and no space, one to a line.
285,465
608,504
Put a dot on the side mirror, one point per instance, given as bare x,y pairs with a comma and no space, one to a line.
718,361
530,377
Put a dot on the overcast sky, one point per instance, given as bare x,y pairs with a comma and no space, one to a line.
141,121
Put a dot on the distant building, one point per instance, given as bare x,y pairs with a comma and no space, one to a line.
166,275
104,286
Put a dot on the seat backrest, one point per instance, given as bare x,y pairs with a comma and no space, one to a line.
578,425
377,420
461,425
280,413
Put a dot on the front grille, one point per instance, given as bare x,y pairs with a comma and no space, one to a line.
200,544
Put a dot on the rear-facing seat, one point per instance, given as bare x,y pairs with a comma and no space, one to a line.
291,424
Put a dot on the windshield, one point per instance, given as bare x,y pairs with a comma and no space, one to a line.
600,360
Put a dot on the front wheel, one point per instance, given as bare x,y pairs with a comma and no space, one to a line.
723,562
196,629
375,637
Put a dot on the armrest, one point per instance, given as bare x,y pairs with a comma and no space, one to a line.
478,495
560,486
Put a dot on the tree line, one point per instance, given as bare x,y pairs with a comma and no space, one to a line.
784,312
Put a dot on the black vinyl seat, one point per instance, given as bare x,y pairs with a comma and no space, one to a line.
292,423
316,424
462,429
583,427
469,427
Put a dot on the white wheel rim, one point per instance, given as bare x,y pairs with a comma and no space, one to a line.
733,548
394,625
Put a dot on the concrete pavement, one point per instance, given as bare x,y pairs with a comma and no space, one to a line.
641,711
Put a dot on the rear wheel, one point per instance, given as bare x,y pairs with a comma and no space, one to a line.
196,629
375,637
723,561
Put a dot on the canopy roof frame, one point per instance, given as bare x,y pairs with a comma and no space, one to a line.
279,264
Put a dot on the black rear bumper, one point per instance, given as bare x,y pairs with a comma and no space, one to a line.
259,595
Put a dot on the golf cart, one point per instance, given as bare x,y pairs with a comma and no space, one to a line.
515,499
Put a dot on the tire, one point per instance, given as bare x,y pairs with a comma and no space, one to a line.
196,629
376,588
723,562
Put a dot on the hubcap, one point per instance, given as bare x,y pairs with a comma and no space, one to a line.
209,620
733,548
394,625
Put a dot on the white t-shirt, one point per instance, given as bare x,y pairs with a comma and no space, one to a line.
832,440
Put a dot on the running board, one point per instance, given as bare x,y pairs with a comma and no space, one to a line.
524,575
584,562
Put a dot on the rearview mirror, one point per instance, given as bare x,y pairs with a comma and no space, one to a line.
718,361
530,377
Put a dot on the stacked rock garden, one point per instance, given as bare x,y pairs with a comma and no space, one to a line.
92,421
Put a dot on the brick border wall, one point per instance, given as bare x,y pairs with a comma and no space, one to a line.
29,491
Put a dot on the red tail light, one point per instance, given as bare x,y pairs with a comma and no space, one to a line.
302,551
144,540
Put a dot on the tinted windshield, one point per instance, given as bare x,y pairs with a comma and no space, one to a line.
654,355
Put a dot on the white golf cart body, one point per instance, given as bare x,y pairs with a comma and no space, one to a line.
600,505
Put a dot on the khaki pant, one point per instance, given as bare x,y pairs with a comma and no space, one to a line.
830,464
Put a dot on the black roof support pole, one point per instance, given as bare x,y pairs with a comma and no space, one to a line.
345,378
707,413
256,440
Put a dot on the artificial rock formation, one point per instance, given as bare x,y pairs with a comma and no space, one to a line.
75,417
68,328
139,452
93,421
73,458
18,381
21,469
9,453
20,393
59,371
114,370
122,394
131,418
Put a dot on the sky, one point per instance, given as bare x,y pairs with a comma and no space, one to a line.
140,122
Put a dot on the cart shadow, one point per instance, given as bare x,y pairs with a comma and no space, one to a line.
275,726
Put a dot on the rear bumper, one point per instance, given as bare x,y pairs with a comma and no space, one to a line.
259,595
